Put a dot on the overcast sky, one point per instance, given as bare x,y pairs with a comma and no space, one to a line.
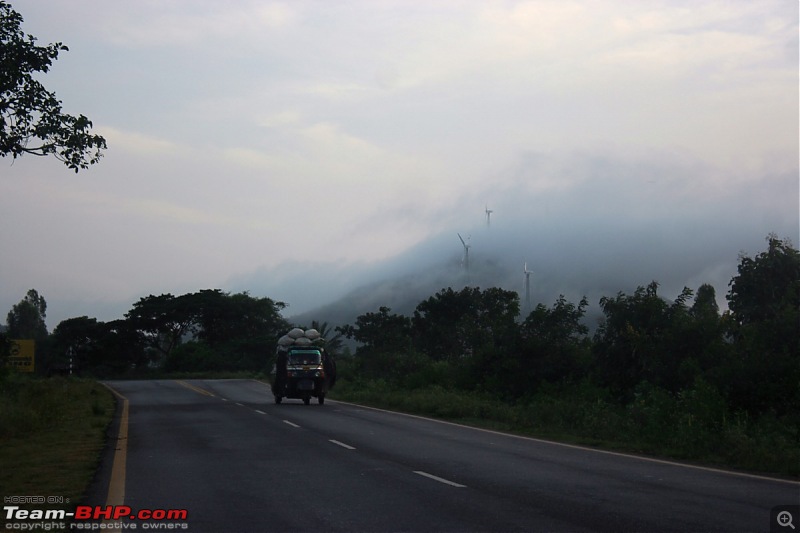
297,149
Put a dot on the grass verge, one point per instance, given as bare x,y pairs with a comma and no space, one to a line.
655,425
52,433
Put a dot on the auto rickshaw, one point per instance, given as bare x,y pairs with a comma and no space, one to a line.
302,373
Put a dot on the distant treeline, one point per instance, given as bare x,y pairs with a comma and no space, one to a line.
205,331
473,339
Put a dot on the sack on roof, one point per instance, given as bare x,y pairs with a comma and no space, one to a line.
286,340
296,333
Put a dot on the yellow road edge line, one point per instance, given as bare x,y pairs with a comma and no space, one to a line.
116,486
194,388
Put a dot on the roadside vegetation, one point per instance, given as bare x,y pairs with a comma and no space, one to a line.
672,378
52,434
656,424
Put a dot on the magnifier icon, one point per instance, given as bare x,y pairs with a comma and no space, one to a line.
785,519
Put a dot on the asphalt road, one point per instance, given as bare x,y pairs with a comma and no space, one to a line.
222,450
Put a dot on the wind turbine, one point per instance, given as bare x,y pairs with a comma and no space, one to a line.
465,261
488,215
527,287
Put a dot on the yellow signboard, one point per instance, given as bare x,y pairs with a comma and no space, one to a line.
22,353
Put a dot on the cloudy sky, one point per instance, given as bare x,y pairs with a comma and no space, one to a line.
298,149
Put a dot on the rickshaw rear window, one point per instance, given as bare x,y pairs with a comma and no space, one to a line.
311,357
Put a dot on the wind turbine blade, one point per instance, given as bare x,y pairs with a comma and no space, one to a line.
462,240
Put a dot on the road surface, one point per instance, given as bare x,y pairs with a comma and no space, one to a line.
235,461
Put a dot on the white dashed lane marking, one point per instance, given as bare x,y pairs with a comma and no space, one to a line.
342,444
439,479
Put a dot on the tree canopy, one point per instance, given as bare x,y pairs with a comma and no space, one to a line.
31,119
26,320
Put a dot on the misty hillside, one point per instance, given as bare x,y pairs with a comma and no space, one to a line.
578,241
403,293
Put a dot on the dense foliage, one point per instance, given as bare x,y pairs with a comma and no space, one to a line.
29,112
209,330
675,372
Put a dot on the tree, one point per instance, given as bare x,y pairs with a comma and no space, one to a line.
254,326
554,345
220,317
704,339
26,320
163,320
28,111
705,303
767,287
639,339
451,325
76,341
5,352
379,332
764,302
384,350
558,326
123,348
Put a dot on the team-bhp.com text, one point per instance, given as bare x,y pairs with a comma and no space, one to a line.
114,517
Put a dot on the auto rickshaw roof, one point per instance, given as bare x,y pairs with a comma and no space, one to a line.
305,349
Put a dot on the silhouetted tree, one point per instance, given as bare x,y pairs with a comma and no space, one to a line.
124,348
240,330
382,331
163,320
638,339
554,345
767,287
77,340
764,302
26,320
28,111
452,325
221,317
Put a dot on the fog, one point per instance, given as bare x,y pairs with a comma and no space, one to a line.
586,225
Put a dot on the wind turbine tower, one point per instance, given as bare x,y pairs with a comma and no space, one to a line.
465,261
488,215
527,287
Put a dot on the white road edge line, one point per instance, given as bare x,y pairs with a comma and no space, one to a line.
440,480
578,447
240,404
342,444
291,424
260,412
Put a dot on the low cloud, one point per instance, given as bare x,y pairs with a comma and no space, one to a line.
586,225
